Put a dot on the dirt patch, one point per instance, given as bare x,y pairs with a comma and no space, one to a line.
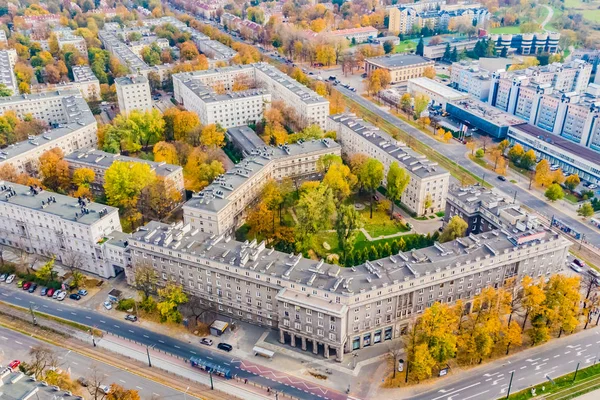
317,374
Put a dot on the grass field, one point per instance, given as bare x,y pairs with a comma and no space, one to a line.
589,10
407,45
506,29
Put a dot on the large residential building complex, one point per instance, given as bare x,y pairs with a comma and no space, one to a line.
72,126
194,91
133,93
437,51
99,161
406,18
400,66
47,224
7,73
331,310
428,181
222,206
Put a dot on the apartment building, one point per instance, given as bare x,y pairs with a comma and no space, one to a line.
401,67
222,206
3,39
7,73
428,181
67,37
436,51
355,35
86,81
122,52
216,51
227,109
133,93
330,310
405,18
99,161
480,116
48,224
475,77
310,107
72,126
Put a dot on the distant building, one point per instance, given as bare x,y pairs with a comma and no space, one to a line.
475,77
401,67
404,18
133,93
478,115
395,40
527,43
436,51
438,93
3,39
358,35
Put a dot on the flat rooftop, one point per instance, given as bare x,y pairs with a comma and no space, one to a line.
397,269
75,110
83,73
487,112
439,88
64,207
245,138
131,80
416,163
305,94
101,159
30,389
394,61
206,93
216,195
558,142
219,50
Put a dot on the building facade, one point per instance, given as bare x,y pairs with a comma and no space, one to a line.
133,93
7,73
527,43
438,93
47,224
355,35
401,67
428,181
87,82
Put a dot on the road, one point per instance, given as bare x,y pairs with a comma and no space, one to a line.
532,367
548,17
456,153
68,309
16,346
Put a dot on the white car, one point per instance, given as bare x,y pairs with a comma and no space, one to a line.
10,278
104,389
576,268
107,305
61,296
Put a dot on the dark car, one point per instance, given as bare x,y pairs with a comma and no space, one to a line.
131,317
83,382
43,291
75,296
579,262
225,347
50,292
502,178
26,286
32,287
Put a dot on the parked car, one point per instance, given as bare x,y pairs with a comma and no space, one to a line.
14,364
502,178
43,291
26,285
61,296
32,287
83,292
131,317
50,292
594,273
83,382
104,389
225,347
75,296
20,283
56,293
107,305
10,278
579,262
3,277
206,342
576,268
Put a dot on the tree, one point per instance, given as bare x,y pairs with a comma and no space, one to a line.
543,175
261,221
4,91
135,131
54,170
427,202
212,135
165,152
337,103
533,298
455,228
421,102
388,46
188,51
378,80
118,392
554,192
429,72
397,182
421,362
340,180
515,153
420,47
326,161
172,296
145,279
370,177
347,223
83,177
447,52
406,102
41,358
572,181
496,155
562,303
314,211
200,170
503,145
586,210
158,198
46,271
472,145
528,159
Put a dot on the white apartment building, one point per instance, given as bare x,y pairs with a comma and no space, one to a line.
99,161
215,51
3,39
133,93
222,206
123,53
72,122
67,37
191,88
471,78
427,179
401,67
7,73
403,19
47,224
86,81
227,109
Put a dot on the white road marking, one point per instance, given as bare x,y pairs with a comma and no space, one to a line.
588,345
18,298
121,380
210,358
537,367
545,359
475,395
103,321
177,347
449,390
88,317
32,302
131,331
45,306
458,390
17,342
160,341
147,337
523,367
74,363
117,326
72,313
520,379
193,352
567,352
58,309
156,394
556,356
226,363
139,388
5,338
571,361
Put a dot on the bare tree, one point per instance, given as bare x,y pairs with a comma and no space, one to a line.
195,309
395,353
41,358
95,381
485,142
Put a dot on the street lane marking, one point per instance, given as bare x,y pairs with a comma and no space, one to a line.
456,391
556,356
103,321
139,388
72,313
121,380
588,345
210,358
545,359
160,341
32,302
520,379
58,309
147,337
74,363
177,347
131,331
523,367
17,342
45,306
88,317
5,338
567,352
18,298
117,326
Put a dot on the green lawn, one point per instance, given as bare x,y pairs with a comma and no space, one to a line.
381,224
407,45
572,198
506,29
589,10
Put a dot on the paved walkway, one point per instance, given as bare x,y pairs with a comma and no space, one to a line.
595,395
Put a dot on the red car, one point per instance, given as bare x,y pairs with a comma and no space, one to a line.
50,292
14,365
26,285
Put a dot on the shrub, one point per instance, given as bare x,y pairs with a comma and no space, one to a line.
479,153
126,304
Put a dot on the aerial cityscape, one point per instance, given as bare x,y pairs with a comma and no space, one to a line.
299,199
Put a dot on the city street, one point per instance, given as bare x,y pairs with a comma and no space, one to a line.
277,381
16,346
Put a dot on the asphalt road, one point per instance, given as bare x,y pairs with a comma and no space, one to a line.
16,346
456,153
68,309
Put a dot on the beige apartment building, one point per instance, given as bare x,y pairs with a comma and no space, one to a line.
133,93
401,67
427,179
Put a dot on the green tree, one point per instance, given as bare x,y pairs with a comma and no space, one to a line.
340,180
554,192
46,271
370,176
397,182
420,47
135,131
171,297
4,91
347,223
314,211
455,228
326,161
528,159
388,46
586,210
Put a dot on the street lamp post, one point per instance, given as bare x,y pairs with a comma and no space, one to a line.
148,354
212,387
33,318
512,373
